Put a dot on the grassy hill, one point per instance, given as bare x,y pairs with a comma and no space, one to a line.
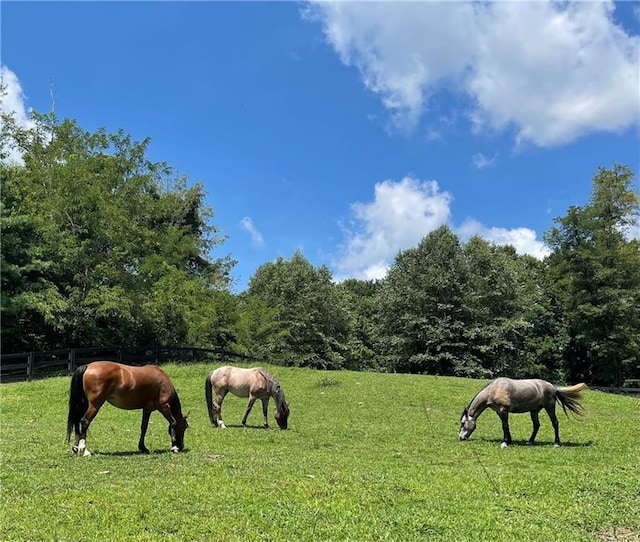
367,457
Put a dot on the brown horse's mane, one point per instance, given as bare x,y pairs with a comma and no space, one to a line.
176,407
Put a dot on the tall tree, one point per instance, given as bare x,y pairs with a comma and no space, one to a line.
108,227
595,270
361,305
423,312
509,316
311,326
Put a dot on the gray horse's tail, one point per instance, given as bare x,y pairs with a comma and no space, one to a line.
208,393
570,398
78,401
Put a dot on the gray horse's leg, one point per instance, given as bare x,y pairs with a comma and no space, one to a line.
249,407
506,434
265,404
554,421
535,420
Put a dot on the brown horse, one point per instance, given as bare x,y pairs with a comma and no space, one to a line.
256,383
505,395
130,388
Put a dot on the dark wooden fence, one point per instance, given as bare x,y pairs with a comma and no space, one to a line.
629,388
31,365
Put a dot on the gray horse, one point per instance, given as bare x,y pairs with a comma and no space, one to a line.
506,395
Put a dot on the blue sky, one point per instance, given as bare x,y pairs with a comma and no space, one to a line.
348,130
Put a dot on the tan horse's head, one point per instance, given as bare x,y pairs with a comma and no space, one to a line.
282,408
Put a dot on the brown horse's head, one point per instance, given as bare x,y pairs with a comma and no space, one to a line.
181,427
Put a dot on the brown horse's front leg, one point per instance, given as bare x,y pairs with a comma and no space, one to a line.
165,410
249,407
146,414
265,404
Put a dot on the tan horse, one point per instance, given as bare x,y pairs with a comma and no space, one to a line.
130,388
256,383
505,395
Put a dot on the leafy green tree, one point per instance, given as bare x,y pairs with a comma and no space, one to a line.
595,273
20,270
509,316
361,305
422,303
311,326
109,230
260,333
471,309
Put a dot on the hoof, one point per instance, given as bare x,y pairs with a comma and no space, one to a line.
556,445
503,445
86,453
74,449
175,449
221,425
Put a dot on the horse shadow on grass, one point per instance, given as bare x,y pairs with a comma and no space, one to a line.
541,443
240,426
130,453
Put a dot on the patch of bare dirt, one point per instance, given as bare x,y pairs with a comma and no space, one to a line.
618,534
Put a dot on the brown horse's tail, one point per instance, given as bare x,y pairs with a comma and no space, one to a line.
209,396
570,398
78,402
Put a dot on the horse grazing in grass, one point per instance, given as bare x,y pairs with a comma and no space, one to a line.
255,383
506,395
147,388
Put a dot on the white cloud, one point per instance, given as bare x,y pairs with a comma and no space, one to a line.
13,101
522,239
256,237
480,161
560,71
401,214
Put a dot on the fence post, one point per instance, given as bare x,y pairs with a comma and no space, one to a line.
71,367
30,361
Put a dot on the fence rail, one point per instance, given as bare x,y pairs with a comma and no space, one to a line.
31,365
617,389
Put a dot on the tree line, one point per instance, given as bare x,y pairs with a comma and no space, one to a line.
102,246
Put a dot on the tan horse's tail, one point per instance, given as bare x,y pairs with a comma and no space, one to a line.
208,393
570,398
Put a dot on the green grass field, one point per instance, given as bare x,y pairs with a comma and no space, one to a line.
367,457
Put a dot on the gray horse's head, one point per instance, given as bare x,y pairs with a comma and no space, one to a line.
467,425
